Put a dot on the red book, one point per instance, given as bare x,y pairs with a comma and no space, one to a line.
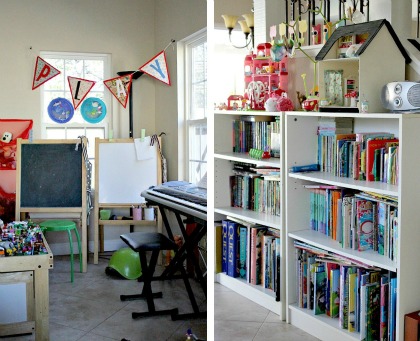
371,146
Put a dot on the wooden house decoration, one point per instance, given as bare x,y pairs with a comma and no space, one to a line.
360,58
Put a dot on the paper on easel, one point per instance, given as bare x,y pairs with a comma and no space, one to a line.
144,150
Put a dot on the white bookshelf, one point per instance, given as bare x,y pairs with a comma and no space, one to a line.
223,157
301,149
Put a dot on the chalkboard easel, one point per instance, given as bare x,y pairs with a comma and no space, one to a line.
51,178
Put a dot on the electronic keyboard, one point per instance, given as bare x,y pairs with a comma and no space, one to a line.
180,195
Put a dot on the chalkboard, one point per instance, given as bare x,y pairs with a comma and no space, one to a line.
51,175
121,176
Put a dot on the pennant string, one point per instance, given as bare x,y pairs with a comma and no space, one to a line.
171,42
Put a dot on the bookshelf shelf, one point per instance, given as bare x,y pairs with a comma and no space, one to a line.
362,185
369,257
223,163
244,157
251,216
305,320
254,293
301,149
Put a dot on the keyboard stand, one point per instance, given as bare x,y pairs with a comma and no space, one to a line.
185,251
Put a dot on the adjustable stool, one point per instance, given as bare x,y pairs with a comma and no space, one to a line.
65,225
154,242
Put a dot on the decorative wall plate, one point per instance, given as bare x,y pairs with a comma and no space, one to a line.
60,110
93,110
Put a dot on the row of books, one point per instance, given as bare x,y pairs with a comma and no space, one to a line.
357,220
252,134
363,300
256,192
362,156
251,252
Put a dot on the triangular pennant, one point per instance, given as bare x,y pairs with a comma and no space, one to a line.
157,68
79,88
43,72
120,88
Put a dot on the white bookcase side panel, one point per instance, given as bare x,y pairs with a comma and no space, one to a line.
409,221
223,130
222,171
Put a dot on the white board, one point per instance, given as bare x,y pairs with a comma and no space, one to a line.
122,177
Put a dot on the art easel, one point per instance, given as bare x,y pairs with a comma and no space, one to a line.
51,178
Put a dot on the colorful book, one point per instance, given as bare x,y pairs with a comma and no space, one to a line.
242,268
352,302
233,249
373,311
364,223
364,281
371,146
320,282
218,249
224,245
392,309
335,293
382,224
383,327
255,262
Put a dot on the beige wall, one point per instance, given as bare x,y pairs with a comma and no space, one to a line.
175,19
132,31
123,28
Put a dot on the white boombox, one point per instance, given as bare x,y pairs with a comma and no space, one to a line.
401,96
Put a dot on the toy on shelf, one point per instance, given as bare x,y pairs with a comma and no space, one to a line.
259,154
235,102
21,238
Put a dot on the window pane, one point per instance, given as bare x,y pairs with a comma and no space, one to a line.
198,143
198,81
197,170
56,133
91,134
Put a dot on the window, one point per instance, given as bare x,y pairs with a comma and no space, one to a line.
194,108
94,67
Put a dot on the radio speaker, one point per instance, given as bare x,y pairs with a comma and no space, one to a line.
401,96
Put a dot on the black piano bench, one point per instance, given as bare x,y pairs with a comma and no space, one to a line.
142,242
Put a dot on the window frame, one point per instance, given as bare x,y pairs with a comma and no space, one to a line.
105,123
184,48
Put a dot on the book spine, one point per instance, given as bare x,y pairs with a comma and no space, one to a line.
233,238
224,245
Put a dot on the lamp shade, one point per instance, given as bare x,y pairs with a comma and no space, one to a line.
249,18
244,26
230,20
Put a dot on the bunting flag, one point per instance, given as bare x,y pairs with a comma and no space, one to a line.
157,68
120,88
79,88
43,72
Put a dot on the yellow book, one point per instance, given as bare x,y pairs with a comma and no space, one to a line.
218,249
352,302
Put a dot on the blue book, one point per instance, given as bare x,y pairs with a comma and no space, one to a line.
242,268
392,308
224,245
233,249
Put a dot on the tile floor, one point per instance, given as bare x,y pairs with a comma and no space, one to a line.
239,319
90,310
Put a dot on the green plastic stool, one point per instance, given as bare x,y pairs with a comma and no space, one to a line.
65,225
